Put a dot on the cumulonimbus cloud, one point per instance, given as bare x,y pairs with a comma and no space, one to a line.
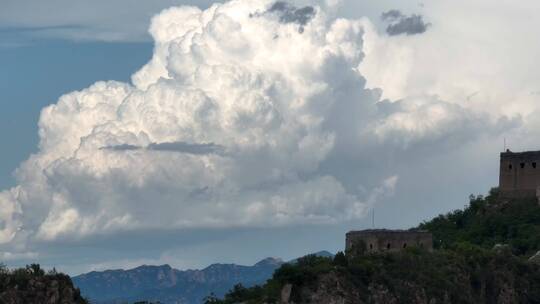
253,106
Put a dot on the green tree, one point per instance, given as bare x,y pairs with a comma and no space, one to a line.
340,259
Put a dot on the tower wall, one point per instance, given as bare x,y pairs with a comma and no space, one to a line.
519,174
382,240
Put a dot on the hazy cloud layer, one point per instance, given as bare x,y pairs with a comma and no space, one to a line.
84,20
402,24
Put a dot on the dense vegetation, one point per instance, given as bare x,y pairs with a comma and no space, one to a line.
464,274
33,285
465,267
488,221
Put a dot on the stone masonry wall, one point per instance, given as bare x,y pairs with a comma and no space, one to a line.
382,240
519,174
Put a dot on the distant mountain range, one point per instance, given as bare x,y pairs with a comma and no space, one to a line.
171,286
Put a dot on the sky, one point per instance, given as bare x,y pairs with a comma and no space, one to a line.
193,132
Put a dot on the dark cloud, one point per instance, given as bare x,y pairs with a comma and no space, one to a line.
402,24
289,13
470,96
182,147
392,15
122,147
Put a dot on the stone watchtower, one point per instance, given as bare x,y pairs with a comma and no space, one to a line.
384,240
519,174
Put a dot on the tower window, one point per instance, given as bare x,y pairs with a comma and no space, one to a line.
522,165
388,246
370,246
510,166
534,165
404,245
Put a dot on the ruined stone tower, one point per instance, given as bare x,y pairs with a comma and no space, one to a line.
384,240
519,174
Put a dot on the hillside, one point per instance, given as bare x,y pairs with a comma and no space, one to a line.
488,221
481,256
33,285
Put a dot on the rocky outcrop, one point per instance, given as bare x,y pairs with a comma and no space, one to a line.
331,289
46,289
286,294
535,258
337,288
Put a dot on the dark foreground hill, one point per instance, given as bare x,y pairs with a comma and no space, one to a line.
482,256
32,285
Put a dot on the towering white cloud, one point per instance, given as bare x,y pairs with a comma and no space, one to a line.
229,124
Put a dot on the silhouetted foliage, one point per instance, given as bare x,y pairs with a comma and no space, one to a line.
212,299
32,284
36,270
238,294
340,259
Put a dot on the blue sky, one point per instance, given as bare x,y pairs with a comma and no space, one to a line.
380,116
36,74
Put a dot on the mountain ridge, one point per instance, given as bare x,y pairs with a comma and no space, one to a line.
166,284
